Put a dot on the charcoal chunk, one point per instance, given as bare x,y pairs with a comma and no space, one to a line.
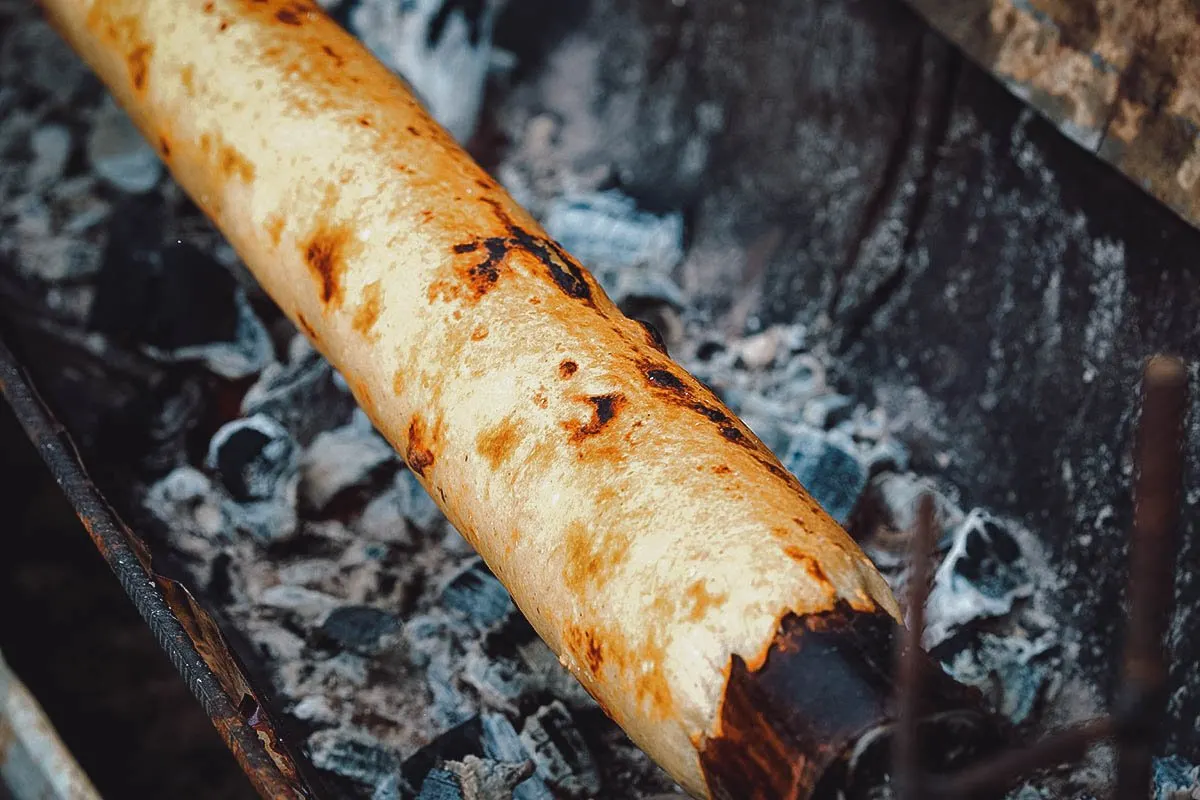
501,742
341,461
829,468
353,755
563,759
147,294
301,395
362,629
441,784
474,778
982,576
476,594
458,742
827,410
253,457
1175,779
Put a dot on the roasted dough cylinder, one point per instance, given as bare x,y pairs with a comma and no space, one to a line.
650,538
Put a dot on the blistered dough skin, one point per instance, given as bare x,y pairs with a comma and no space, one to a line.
645,532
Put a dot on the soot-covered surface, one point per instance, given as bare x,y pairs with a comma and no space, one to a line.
898,278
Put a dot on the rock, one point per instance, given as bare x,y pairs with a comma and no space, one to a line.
361,629
341,460
981,577
353,755
441,47
50,146
563,759
383,519
118,152
829,469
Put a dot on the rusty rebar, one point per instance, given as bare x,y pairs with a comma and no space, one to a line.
114,542
1141,704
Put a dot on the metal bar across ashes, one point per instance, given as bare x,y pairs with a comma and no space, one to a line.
115,544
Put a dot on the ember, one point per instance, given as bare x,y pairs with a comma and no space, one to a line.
384,640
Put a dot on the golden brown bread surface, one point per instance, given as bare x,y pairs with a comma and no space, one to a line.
643,530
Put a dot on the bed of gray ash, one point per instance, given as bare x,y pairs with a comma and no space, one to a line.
399,655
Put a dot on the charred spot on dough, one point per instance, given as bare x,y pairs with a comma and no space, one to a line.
139,66
418,453
364,121
665,379
604,408
497,444
466,247
722,469
324,252
479,334
732,433
164,146
333,54
654,337
368,310
413,131
292,14
567,368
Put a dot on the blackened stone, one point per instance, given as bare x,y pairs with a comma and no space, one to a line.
362,629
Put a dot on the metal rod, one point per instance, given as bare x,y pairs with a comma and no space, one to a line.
114,543
906,753
1141,704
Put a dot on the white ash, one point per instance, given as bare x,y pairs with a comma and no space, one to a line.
339,460
441,47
